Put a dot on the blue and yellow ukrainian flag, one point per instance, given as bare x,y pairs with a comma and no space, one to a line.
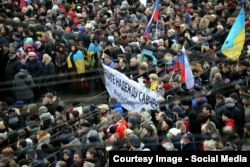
235,40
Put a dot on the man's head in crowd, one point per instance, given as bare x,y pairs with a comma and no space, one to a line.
133,62
219,98
246,99
207,109
48,99
78,158
107,58
175,84
143,68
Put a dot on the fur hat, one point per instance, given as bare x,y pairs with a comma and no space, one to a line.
7,151
197,68
41,134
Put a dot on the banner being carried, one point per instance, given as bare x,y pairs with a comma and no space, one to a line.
129,93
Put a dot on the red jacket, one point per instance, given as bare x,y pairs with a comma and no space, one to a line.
121,127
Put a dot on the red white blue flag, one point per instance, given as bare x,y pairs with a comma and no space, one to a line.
187,76
154,18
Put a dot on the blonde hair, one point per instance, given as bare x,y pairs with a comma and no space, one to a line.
143,66
47,56
153,77
180,125
213,71
217,77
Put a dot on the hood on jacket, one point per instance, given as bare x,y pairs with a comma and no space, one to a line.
22,73
117,106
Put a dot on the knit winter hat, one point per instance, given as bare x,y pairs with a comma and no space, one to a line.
93,136
176,109
133,120
228,114
174,131
234,96
43,109
31,154
67,151
45,116
65,138
229,100
33,108
134,141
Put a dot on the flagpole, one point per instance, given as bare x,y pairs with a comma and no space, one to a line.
157,24
171,78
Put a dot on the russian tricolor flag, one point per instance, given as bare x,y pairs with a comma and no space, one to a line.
154,17
187,76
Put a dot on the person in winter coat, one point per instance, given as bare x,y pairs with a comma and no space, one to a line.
48,73
28,48
115,105
12,68
146,119
61,65
23,86
188,142
8,153
67,157
149,139
43,137
153,81
48,44
76,66
35,68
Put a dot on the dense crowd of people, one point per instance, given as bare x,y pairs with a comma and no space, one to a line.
56,46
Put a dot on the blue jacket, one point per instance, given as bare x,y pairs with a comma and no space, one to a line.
118,107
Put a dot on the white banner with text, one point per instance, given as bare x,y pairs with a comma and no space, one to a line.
129,93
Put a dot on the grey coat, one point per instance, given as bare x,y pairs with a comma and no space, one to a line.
22,86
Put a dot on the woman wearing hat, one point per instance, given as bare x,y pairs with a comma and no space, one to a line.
67,157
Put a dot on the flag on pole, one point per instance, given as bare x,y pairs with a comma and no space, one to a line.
187,76
235,40
22,4
154,17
